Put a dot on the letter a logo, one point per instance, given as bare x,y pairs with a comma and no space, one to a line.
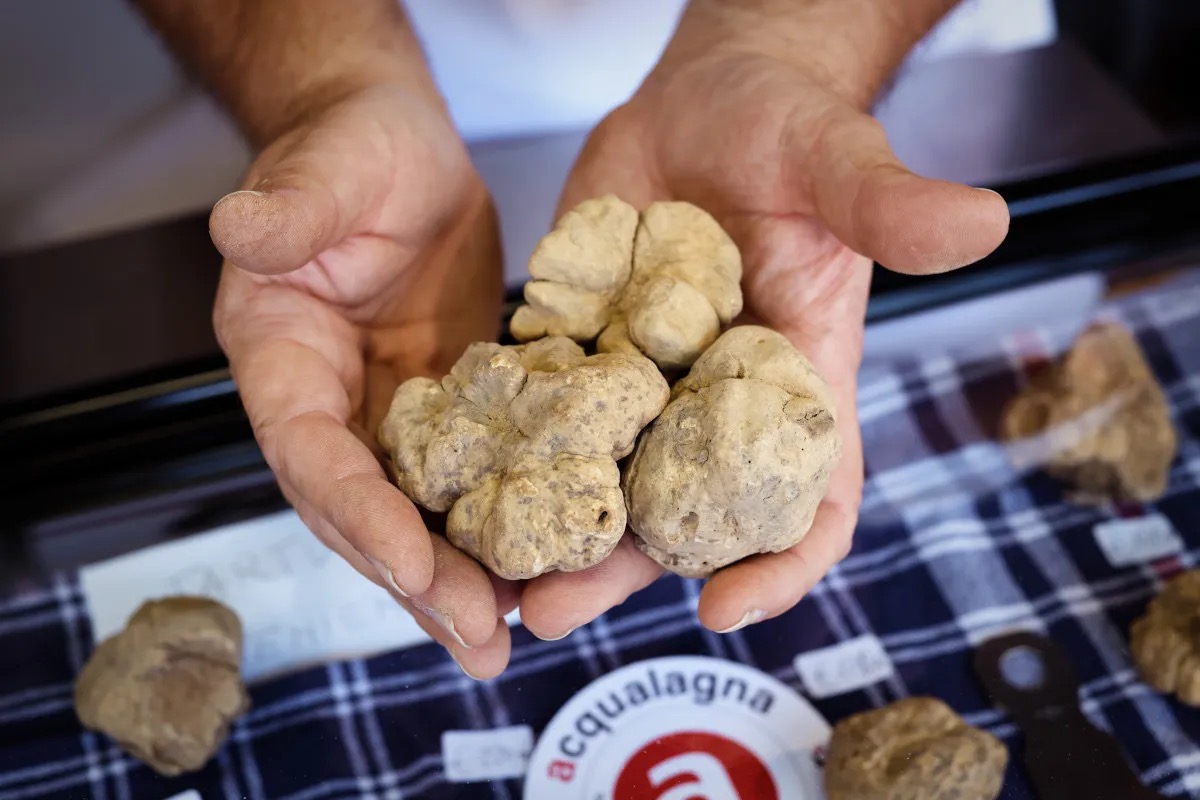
694,766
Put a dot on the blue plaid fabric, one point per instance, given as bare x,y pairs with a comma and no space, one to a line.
954,547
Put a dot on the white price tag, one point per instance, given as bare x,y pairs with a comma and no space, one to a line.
844,667
471,756
1126,542
299,603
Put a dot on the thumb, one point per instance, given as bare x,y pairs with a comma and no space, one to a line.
879,209
305,202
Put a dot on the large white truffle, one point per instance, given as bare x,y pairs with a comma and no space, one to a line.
520,445
738,461
664,283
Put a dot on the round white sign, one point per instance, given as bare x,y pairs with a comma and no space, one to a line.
680,728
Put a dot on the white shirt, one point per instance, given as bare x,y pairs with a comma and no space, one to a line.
101,131
512,67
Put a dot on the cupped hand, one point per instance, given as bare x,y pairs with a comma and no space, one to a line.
363,251
808,187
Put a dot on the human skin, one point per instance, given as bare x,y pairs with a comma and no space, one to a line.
782,151
363,251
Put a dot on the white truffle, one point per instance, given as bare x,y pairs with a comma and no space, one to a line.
520,445
1164,643
1097,420
738,461
914,748
169,685
663,284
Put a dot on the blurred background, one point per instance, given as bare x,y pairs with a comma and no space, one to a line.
118,424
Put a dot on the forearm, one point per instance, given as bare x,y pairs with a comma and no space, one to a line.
852,45
272,62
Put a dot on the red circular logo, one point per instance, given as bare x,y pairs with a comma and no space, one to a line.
695,766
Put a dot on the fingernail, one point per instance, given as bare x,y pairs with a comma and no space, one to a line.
465,671
750,617
385,572
250,192
568,632
990,191
444,621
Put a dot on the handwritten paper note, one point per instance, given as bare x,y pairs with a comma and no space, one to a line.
844,667
299,603
1126,542
496,754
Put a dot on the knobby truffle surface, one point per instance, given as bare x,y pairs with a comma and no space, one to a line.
1166,641
520,444
1097,420
168,686
663,283
914,749
739,460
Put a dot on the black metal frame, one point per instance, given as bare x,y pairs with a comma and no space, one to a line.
181,433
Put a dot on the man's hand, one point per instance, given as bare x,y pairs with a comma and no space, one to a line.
362,250
778,147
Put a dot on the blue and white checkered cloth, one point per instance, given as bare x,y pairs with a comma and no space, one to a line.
953,548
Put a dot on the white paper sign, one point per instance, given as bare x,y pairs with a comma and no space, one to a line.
680,727
1126,542
844,667
470,756
300,604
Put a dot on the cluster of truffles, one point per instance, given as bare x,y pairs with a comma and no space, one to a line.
914,749
521,444
1097,420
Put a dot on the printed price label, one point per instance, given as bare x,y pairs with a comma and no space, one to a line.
1126,542
844,667
471,756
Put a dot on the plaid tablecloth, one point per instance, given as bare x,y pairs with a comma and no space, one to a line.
954,548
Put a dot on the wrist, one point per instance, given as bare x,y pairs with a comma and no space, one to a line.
274,63
850,47
317,92
299,96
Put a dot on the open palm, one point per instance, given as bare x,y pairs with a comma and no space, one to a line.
810,191
364,252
